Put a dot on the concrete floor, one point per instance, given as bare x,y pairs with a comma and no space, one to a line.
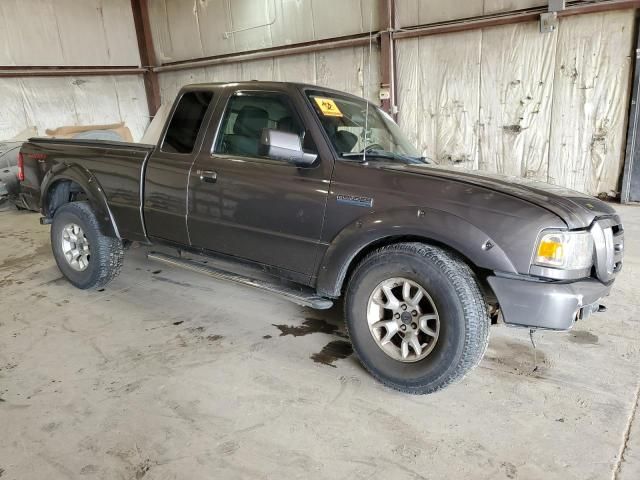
167,374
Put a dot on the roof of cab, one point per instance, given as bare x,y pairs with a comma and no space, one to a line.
262,85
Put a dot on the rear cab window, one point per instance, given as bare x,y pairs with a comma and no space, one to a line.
185,123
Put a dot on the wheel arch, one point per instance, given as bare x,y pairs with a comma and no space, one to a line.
422,225
65,184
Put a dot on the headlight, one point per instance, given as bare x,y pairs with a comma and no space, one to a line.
565,250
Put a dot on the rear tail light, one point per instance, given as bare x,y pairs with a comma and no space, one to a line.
20,167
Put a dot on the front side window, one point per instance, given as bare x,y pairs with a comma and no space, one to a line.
186,122
247,115
355,127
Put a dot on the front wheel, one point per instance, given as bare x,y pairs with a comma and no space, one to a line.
416,317
86,257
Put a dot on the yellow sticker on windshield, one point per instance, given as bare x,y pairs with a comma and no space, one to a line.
328,107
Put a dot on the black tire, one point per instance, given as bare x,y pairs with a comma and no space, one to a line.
106,253
464,323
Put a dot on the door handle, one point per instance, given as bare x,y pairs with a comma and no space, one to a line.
208,176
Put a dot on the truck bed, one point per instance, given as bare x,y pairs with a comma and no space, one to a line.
118,168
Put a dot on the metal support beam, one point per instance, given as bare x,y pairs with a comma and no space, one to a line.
140,10
531,15
630,190
10,71
271,52
387,56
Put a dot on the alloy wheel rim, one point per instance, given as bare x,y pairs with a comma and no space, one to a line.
75,247
403,319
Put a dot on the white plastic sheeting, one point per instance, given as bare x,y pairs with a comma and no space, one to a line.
186,29
516,100
67,32
438,86
52,102
512,100
345,69
590,100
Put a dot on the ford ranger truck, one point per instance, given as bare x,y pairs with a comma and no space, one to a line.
313,194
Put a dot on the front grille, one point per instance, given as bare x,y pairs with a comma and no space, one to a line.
608,238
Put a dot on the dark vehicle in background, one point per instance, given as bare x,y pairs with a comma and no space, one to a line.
9,182
313,194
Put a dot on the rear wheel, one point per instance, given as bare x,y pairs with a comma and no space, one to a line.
86,257
416,317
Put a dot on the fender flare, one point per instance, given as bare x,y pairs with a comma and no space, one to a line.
417,223
91,187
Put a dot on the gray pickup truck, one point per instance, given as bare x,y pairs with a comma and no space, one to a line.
314,194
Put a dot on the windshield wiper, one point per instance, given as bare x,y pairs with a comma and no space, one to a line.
382,154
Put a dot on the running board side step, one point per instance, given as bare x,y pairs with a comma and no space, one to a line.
301,296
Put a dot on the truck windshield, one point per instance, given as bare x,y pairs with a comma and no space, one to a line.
355,129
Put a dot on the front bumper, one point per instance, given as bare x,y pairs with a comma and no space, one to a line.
551,305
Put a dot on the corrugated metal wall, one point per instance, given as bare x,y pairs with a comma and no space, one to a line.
69,33
509,99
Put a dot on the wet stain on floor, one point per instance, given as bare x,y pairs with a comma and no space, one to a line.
310,325
583,338
333,351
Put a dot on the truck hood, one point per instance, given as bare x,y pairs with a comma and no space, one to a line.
576,209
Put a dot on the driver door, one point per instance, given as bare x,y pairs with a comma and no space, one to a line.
244,204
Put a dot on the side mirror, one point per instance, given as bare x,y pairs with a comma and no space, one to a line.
284,146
